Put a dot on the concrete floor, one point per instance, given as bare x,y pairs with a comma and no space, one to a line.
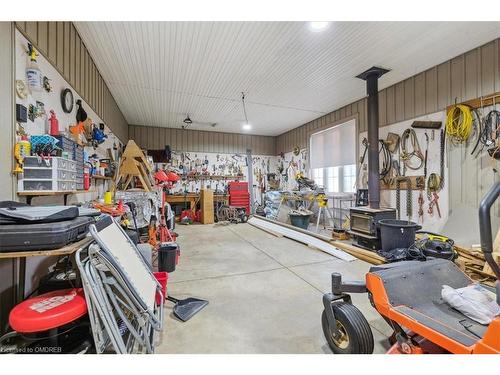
264,292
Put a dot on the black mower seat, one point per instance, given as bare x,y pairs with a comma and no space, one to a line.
414,289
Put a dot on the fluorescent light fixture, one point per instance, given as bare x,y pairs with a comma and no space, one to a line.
319,25
247,127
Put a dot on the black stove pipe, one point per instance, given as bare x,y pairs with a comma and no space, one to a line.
371,77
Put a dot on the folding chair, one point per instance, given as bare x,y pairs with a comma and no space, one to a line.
120,291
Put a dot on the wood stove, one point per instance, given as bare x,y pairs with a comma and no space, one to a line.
365,227
365,220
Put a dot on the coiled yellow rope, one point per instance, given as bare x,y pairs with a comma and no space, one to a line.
459,123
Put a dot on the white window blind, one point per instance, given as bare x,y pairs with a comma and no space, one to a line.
334,147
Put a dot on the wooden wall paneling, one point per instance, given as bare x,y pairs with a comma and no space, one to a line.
457,78
66,50
131,132
342,112
234,143
443,85
52,42
167,138
88,72
78,65
43,34
391,105
348,110
431,105
149,138
92,84
32,31
21,25
72,55
96,88
497,70
382,108
159,139
99,93
409,86
136,135
362,115
83,78
196,141
399,101
472,74
488,64
172,133
419,94
60,47
226,143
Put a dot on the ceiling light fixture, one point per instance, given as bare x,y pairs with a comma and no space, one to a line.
187,120
246,125
319,25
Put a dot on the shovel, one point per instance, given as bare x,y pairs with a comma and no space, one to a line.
185,309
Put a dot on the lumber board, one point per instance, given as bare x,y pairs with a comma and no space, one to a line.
276,234
305,238
484,101
66,250
366,255
403,184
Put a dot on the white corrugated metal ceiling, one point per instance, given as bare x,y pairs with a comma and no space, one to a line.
159,72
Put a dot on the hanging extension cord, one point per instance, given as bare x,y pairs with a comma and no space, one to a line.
459,123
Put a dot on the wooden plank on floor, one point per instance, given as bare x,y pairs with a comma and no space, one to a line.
304,238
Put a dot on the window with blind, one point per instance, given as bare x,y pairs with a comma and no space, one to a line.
333,158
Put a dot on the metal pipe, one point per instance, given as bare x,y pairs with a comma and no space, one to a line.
371,77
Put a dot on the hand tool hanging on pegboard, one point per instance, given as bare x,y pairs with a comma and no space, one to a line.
406,155
435,182
409,206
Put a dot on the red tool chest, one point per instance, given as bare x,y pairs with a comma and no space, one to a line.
239,195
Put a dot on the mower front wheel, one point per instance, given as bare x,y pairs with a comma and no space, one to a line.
356,336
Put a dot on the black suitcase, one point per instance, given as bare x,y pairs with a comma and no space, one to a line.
43,236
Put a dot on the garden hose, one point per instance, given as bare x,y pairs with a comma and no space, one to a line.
459,123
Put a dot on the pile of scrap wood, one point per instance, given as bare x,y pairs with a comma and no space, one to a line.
471,261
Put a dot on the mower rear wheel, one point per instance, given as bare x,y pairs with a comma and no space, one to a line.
356,335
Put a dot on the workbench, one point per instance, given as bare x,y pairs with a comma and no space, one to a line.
193,199
22,255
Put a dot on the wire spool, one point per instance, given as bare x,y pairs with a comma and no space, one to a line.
459,123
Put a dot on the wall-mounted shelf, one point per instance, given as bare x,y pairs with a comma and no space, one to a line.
30,194
99,177
482,101
212,177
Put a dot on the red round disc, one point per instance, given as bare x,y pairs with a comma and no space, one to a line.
48,311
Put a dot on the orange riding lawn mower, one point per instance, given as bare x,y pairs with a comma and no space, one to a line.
410,296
